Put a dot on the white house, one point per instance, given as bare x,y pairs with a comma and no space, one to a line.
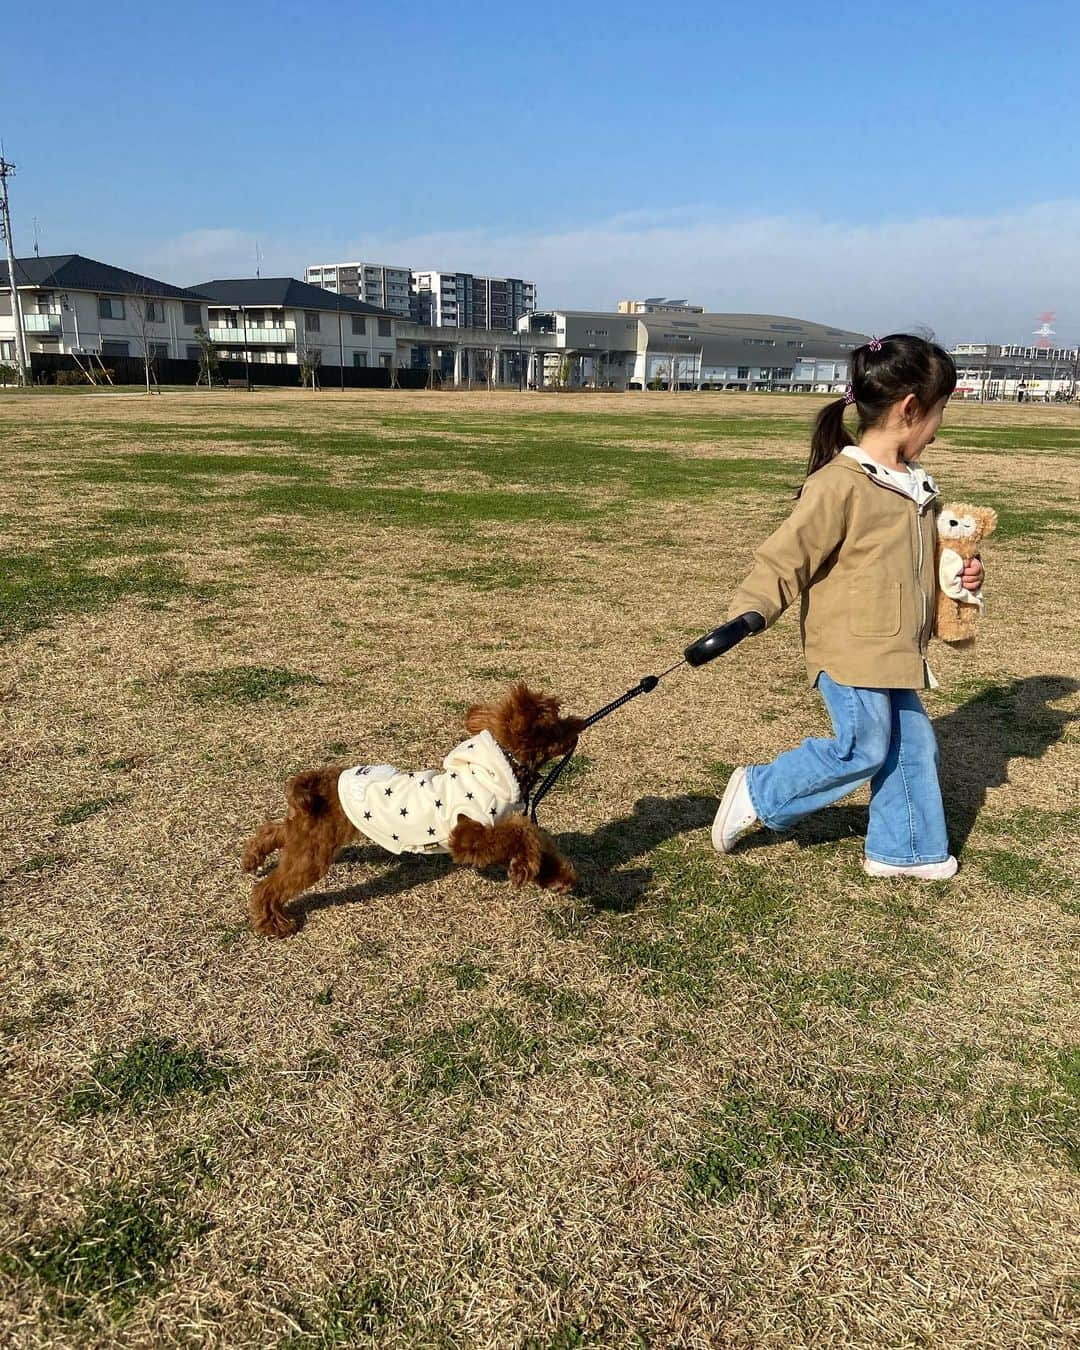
275,320
75,305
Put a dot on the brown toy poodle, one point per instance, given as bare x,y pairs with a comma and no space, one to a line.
471,809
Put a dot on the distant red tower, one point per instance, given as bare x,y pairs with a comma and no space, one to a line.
1045,331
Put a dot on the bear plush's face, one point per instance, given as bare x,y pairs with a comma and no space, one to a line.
962,527
952,525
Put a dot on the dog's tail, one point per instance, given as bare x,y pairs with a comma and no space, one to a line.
268,839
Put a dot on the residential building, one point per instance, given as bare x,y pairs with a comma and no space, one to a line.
691,351
659,305
464,300
989,371
373,283
74,305
276,320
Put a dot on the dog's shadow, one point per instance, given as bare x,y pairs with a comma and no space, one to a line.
598,858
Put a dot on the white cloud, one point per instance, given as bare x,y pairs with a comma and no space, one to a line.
966,277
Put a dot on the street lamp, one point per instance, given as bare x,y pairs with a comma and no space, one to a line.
340,342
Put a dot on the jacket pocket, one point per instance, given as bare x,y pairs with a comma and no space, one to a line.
875,609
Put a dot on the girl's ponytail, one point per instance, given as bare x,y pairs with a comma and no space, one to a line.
830,435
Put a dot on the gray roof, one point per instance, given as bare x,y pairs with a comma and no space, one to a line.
285,292
721,325
71,271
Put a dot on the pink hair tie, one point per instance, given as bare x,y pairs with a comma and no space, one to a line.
875,344
849,396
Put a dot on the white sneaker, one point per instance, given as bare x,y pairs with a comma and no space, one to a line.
736,815
940,871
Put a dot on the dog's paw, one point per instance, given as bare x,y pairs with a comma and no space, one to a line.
276,926
521,870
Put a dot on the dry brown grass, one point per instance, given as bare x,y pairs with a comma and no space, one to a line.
752,1101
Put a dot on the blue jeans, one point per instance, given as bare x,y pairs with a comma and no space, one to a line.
882,736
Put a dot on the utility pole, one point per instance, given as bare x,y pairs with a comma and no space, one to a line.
7,170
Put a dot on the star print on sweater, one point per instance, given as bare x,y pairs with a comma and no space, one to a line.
415,812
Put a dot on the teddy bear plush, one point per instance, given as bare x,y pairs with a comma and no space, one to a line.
960,532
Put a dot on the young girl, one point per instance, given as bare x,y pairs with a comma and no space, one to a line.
859,549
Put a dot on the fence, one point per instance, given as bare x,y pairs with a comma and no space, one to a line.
167,370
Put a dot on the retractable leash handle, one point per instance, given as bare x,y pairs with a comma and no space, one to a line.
722,639
713,644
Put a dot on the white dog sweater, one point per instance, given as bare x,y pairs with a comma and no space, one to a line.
415,812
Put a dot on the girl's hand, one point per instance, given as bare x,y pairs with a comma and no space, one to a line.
972,577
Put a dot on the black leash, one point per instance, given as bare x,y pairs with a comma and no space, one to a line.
713,644
644,686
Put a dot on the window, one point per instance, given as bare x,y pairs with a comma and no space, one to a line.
44,302
192,314
386,360
111,307
759,342
385,329
359,358
192,352
311,322
7,350
359,326
744,373
155,311
158,351
114,348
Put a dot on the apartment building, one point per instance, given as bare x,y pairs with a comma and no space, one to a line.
74,305
276,320
377,284
441,299
464,300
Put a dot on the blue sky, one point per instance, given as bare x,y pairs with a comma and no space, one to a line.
872,164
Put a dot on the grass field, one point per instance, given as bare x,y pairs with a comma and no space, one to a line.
704,1102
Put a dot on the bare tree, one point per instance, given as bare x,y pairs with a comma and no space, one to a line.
209,360
147,314
309,359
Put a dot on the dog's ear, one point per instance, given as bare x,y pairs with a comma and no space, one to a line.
480,717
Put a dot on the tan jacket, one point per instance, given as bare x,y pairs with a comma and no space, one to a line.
861,555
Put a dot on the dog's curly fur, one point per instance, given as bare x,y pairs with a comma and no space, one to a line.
315,827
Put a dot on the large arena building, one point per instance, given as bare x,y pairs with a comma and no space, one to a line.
694,351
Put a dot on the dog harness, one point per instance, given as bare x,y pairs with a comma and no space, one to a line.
415,812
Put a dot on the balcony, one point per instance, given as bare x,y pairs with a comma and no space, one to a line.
42,323
252,337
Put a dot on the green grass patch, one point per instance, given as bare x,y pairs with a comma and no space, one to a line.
75,815
710,914
247,684
749,1139
37,588
356,1309
474,1056
116,1254
146,1074
47,1009
499,574
1046,1112
465,973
